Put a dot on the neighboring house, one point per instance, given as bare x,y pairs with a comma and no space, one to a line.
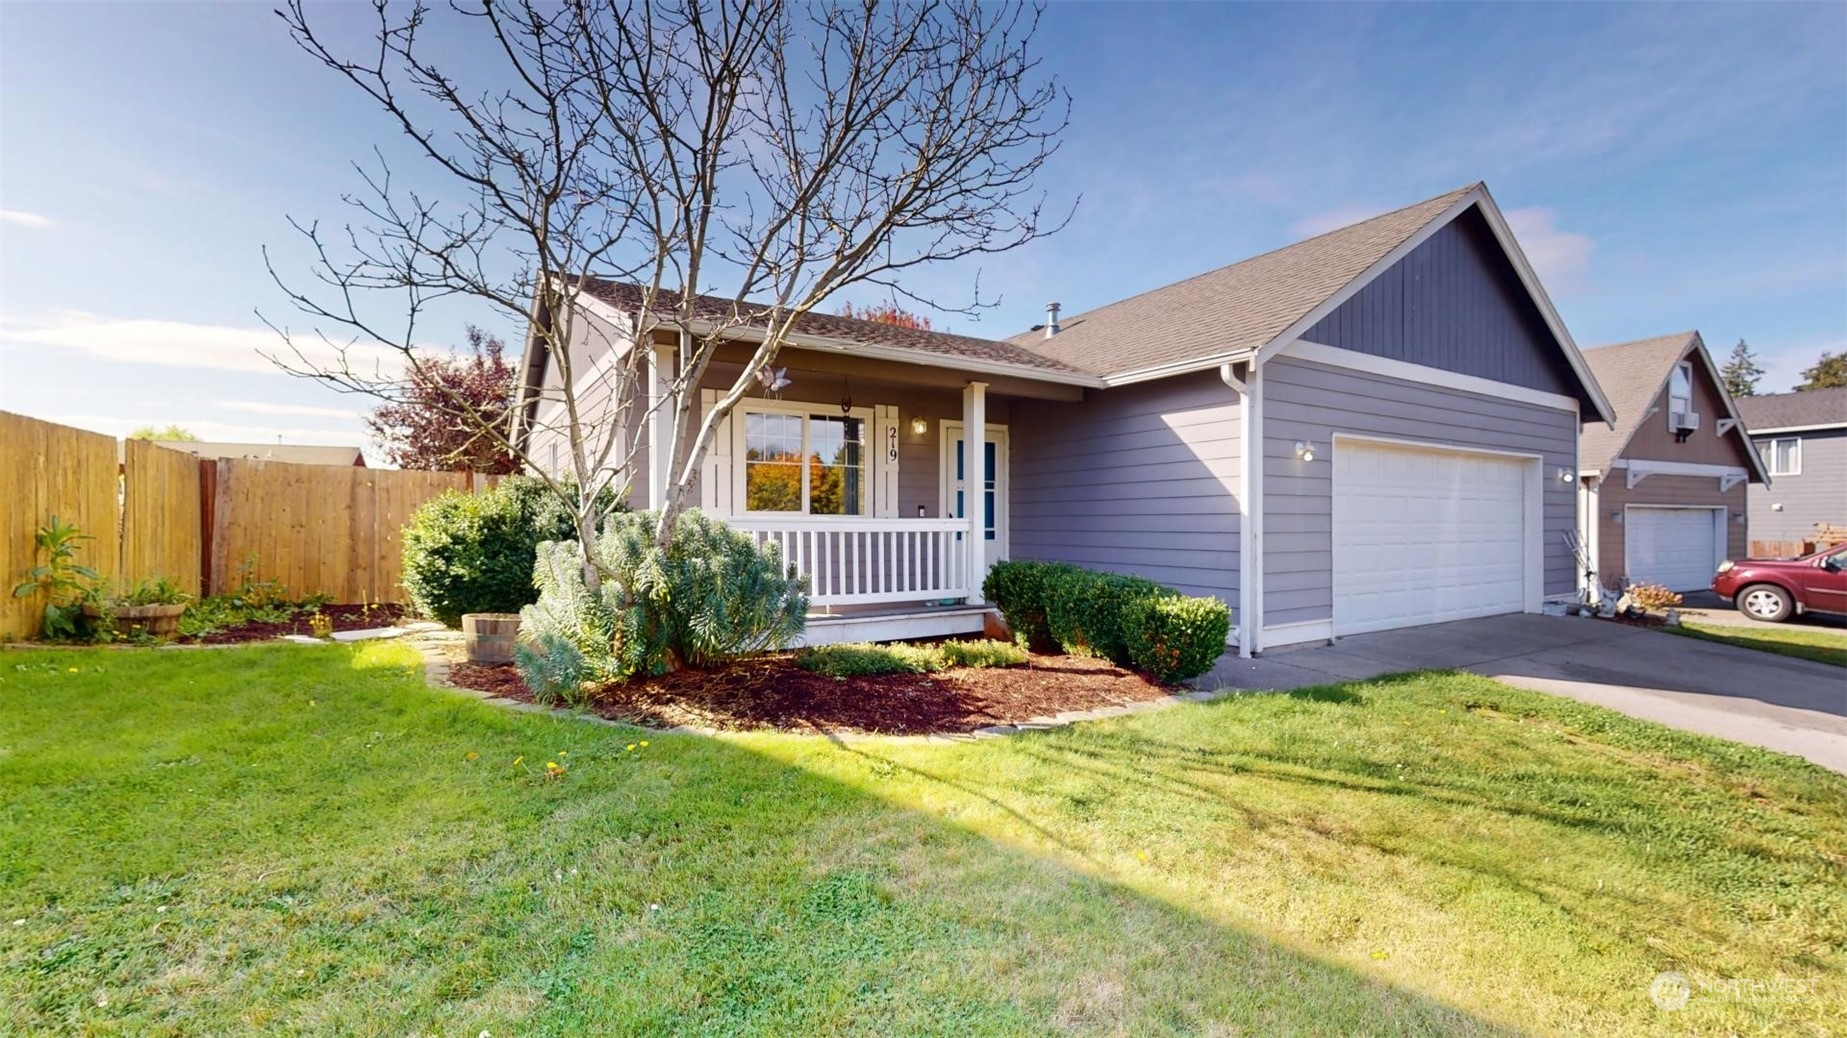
1802,438
1662,493
296,454
1373,428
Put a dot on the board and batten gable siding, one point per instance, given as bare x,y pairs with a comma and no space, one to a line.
590,344
1454,303
1141,479
1657,489
1305,401
1818,494
1654,441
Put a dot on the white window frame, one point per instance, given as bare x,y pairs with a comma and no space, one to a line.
868,454
1685,370
1795,456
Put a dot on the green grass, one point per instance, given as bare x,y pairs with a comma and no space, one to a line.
1809,643
306,840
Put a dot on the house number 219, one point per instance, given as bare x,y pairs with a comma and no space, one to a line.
891,443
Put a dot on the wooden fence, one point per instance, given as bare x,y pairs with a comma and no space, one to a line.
209,525
48,470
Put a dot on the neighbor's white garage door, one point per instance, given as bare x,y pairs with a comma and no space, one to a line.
1677,547
1426,535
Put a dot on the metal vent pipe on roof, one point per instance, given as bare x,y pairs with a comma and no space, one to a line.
1051,319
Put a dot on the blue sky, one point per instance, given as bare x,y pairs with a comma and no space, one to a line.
1666,167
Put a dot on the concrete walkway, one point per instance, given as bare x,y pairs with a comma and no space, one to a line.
1785,704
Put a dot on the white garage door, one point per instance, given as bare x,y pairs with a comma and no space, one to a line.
1677,547
1423,536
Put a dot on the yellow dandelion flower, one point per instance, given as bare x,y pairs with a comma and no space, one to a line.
1380,954
73,670
631,747
562,753
470,755
551,763
644,742
519,760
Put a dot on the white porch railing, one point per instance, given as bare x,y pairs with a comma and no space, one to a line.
851,560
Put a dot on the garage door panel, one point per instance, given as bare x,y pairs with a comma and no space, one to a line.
1423,536
1675,547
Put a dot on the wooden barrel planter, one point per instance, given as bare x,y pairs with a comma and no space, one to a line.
160,621
490,636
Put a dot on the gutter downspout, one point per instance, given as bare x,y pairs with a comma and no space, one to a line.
1250,476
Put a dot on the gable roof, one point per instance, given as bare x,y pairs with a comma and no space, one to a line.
1633,374
1235,308
1227,314
1808,409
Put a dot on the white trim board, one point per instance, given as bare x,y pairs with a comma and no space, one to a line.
1779,430
1280,635
1333,356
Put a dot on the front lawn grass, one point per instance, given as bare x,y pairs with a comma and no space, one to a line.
1809,643
307,840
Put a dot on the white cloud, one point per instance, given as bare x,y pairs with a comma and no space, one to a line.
1561,258
302,410
182,345
21,218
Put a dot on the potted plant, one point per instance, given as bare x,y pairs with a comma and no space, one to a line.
66,585
151,608
1643,599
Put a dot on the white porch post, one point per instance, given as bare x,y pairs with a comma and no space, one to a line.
659,423
974,437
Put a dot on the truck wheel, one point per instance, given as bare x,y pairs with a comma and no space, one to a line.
1765,602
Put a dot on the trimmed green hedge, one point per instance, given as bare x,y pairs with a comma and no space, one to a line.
859,659
1176,638
1130,621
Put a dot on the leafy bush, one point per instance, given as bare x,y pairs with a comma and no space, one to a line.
1019,589
474,553
712,596
985,653
1084,610
863,659
1175,638
66,584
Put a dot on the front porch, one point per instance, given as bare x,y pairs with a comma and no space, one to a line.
856,472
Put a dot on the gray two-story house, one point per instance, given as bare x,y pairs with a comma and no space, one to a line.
1802,438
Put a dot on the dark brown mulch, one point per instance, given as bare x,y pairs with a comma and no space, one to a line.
348,617
772,692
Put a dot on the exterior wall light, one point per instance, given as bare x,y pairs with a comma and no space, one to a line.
919,425
1567,476
1305,450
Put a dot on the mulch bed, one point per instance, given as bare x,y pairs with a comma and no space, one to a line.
772,692
348,617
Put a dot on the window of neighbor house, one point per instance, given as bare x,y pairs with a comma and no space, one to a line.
1679,391
1782,457
804,463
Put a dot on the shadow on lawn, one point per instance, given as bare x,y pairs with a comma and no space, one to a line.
375,872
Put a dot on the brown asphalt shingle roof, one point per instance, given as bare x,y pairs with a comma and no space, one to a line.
1794,410
1631,374
628,298
1239,307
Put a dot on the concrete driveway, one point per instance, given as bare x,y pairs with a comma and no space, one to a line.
1790,705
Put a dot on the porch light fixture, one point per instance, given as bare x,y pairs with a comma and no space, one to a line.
1305,450
919,425
1567,476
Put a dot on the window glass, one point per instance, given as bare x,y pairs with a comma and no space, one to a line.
772,462
1783,457
1680,389
836,466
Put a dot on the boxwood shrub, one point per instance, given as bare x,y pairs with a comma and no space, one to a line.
1174,637
1128,620
1019,589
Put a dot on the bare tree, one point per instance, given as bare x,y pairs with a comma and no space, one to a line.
783,152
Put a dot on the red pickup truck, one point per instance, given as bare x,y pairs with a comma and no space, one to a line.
1776,589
